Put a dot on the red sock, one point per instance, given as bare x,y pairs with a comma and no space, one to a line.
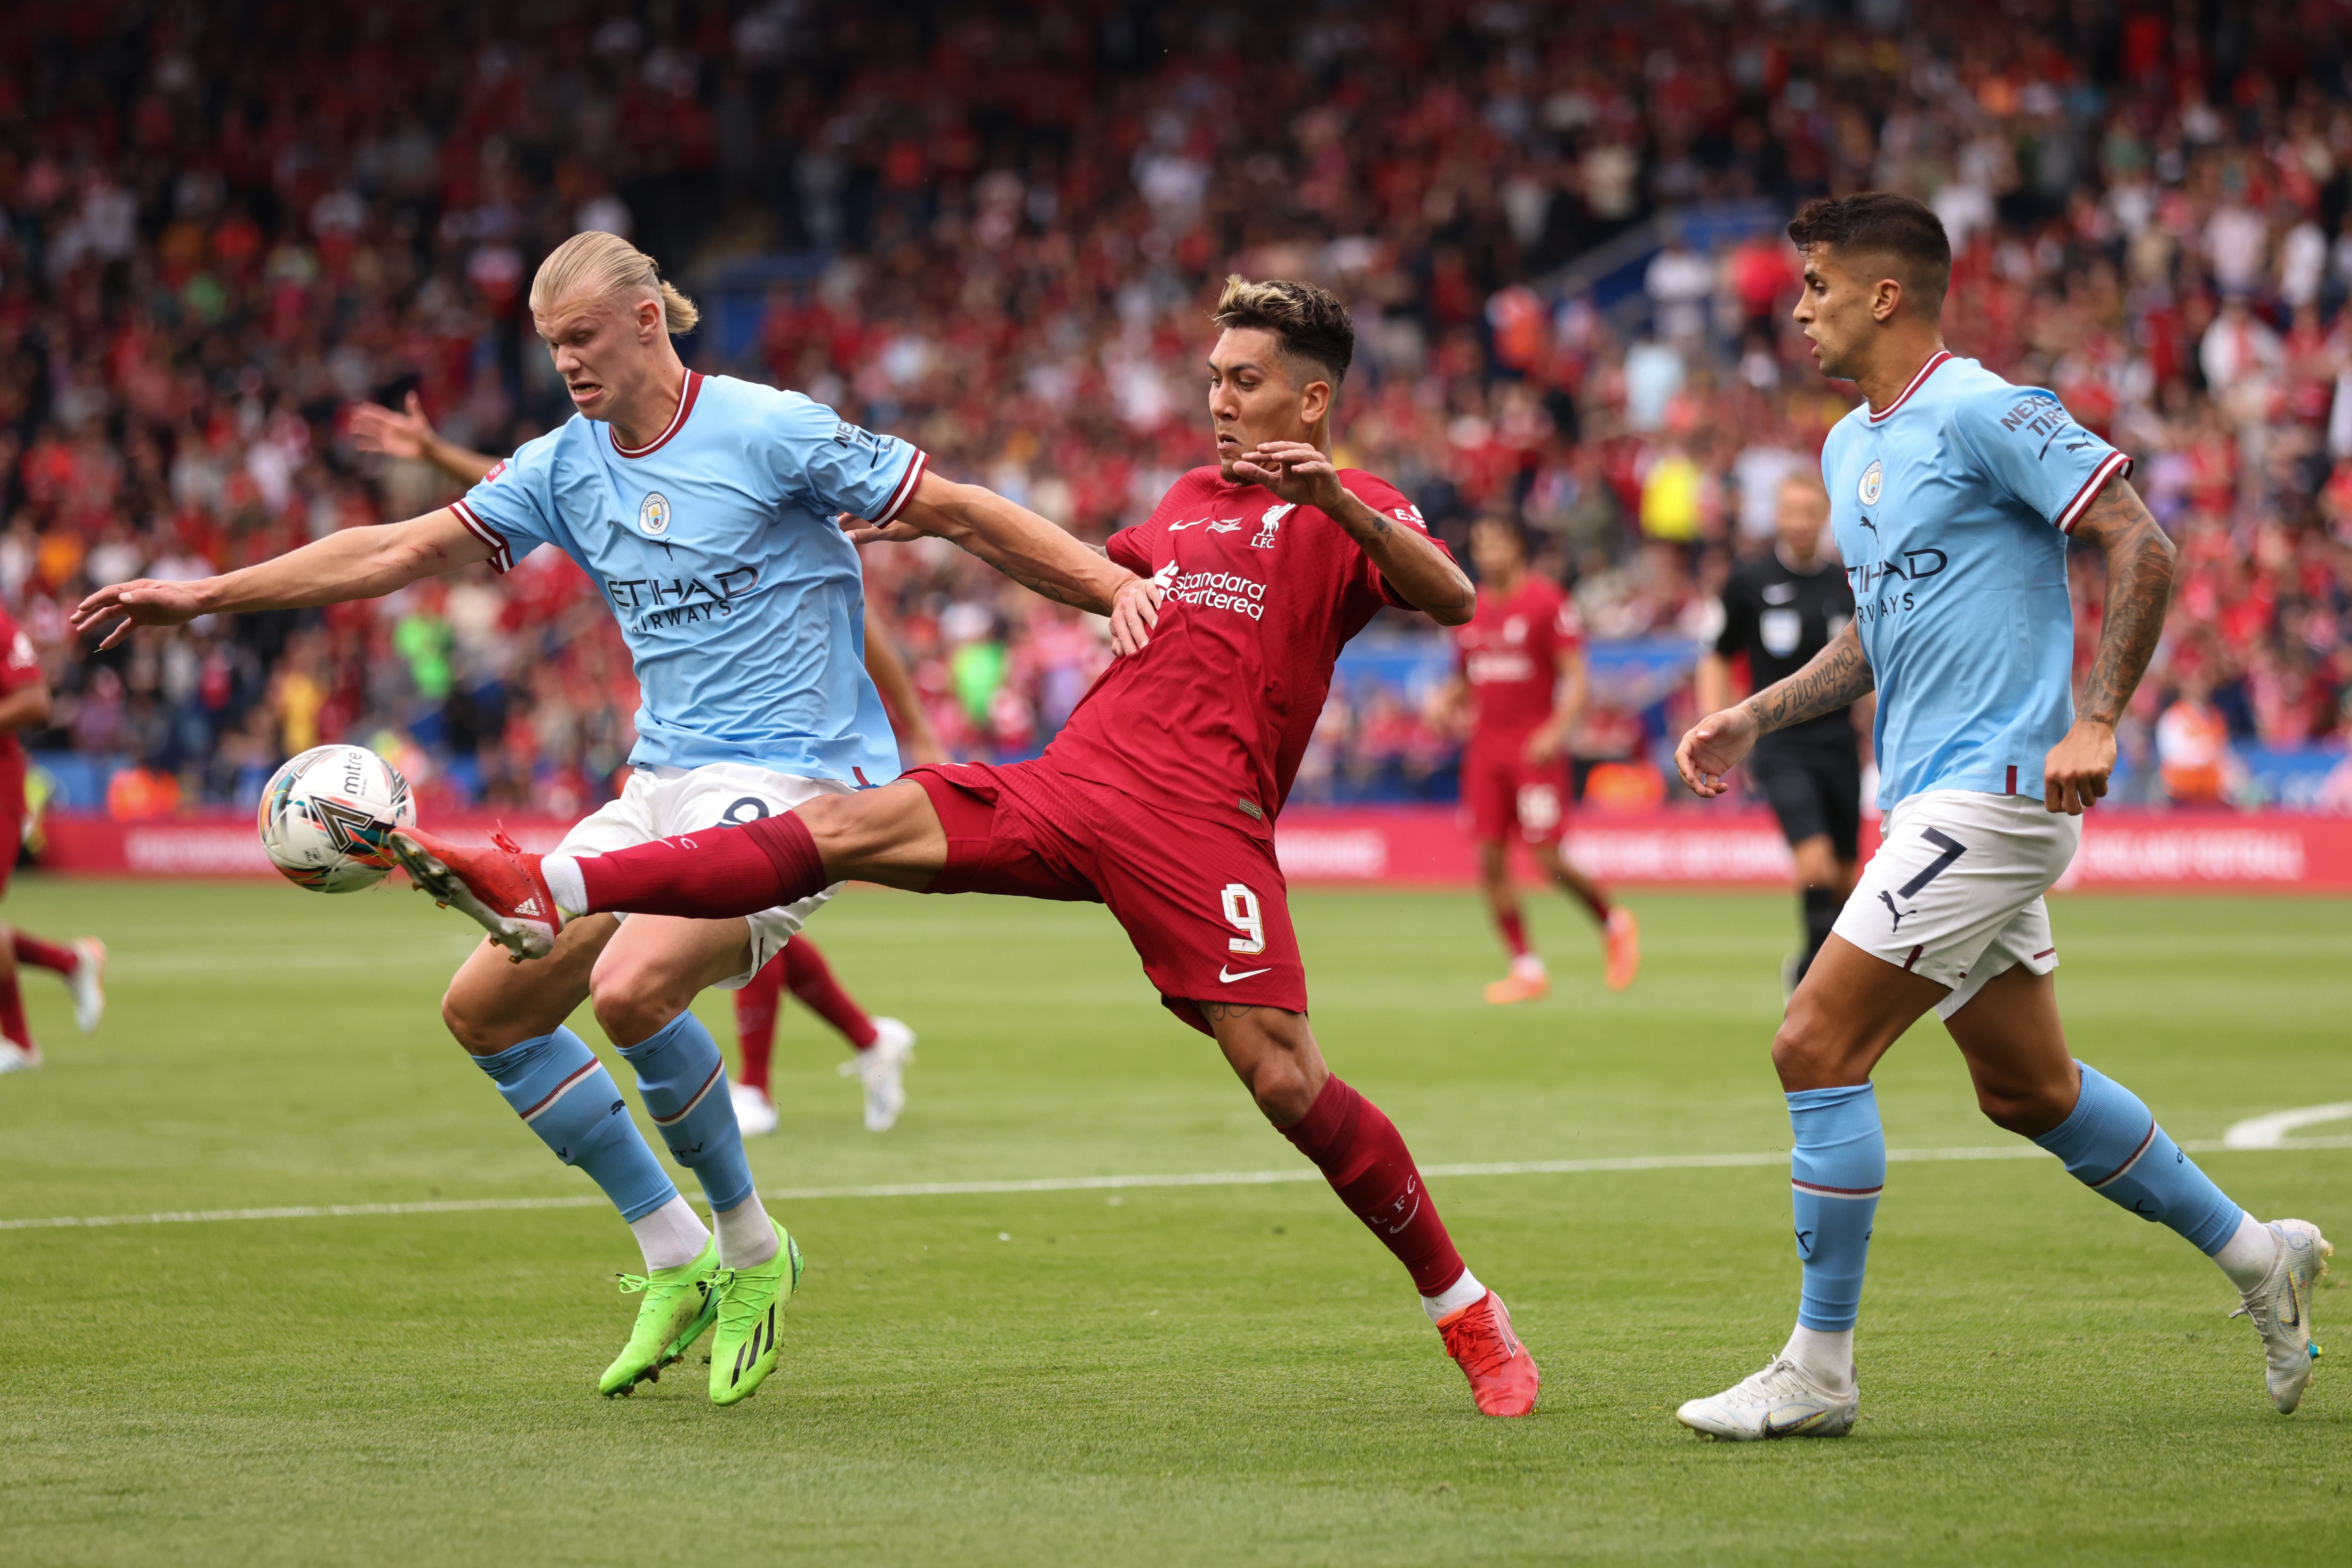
12,1008
1515,933
811,979
1367,1164
47,955
1594,898
710,874
755,1019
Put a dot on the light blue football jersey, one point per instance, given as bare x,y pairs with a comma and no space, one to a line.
716,547
1952,507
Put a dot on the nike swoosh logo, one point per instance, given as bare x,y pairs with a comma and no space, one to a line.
2294,1304
1229,978
1775,1427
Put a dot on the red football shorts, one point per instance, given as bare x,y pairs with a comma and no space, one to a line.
1205,905
1501,792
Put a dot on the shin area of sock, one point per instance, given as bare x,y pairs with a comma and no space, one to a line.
1514,926
561,1091
683,1081
12,1010
671,1235
1837,1168
756,1005
1361,1155
746,1237
1821,907
46,955
713,875
2111,1144
811,979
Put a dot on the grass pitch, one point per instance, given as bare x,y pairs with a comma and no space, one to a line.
1226,1374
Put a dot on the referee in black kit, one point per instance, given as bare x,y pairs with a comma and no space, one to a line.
1781,609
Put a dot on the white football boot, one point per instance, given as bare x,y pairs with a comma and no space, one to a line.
88,984
755,1113
1779,1402
2281,1309
882,1065
15,1057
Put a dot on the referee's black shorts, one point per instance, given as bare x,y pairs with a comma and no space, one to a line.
1814,788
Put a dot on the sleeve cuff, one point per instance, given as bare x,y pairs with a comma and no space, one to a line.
501,553
907,482
2115,462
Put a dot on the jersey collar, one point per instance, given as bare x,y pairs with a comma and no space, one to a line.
686,397
1876,415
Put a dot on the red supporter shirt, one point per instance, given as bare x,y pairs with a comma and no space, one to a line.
19,668
1258,598
1509,653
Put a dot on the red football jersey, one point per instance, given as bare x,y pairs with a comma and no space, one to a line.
1258,597
19,668
1509,653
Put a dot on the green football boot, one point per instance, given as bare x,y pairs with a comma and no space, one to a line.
749,1300
679,1304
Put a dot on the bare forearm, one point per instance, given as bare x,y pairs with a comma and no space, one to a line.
2140,587
1838,676
1712,684
1030,550
1411,562
460,463
355,563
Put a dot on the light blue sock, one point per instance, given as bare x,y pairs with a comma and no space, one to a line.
562,1092
684,1081
2112,1145
1836,1170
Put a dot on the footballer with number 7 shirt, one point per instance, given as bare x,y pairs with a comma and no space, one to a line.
1158,798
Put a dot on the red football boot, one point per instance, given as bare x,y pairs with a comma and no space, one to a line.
1502,1375
499,886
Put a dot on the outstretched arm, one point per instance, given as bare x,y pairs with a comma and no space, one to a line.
356,563
1030,550
2139,586
1836,678
408,433
1421,572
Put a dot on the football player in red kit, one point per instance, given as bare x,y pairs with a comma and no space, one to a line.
25,703
1519,681
1230,605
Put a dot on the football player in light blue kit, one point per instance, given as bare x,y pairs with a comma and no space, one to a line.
1953,494
705,508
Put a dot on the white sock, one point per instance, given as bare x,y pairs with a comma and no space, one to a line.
564,881
1466,1291
746,1239
671,1235
1528,966
1825,1355
2249,1253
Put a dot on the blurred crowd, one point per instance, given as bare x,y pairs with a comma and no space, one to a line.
222,225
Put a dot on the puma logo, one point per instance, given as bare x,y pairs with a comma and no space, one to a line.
1889,899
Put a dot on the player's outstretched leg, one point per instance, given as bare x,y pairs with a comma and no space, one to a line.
1361,1155
757,1003
2026,1083
498,886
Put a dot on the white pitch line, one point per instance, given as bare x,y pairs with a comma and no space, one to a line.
1096,1183
2266,1132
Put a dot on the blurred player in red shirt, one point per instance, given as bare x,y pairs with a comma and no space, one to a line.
1159,797
1519,681
23,703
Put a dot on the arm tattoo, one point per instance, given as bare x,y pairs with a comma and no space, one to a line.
1836,678
2139,586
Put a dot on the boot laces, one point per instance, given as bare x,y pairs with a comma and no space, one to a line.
1477,1340
498,837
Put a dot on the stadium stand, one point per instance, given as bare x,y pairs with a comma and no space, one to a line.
993,229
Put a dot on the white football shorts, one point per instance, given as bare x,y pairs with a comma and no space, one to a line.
662,802
1955,889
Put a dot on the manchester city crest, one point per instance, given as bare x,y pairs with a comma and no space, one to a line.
1874,482
654,516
